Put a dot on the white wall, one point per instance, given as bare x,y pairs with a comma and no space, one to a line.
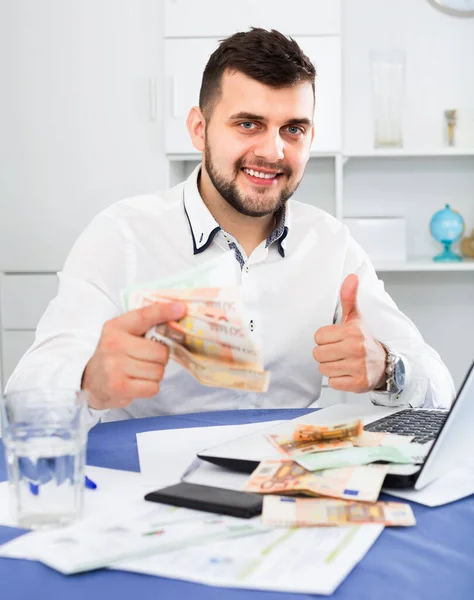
75,126
439,66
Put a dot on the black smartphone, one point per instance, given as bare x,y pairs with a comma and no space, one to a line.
210,499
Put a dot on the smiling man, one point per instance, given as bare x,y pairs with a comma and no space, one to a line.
311,295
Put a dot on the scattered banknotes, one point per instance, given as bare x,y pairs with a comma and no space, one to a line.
281,511
287,477
322,433
406,454
310,439
212,341
287,446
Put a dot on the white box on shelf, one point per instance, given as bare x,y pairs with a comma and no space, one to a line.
383,238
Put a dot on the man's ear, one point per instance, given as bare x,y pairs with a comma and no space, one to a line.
196,125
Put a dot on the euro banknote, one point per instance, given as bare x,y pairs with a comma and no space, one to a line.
212,341
321,433
216,373
281,511
295,445
286,477
287,446
406,454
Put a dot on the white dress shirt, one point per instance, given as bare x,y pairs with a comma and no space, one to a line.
290,282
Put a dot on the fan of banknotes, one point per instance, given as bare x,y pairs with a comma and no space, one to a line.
335,465
212,341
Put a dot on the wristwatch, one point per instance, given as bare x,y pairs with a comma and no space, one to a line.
395,370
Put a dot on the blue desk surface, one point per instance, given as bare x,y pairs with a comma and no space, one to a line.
433,560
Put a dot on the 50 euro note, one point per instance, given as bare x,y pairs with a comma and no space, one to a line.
214,372
320,433
232,353
223,304
291,448
211,341
286,477
281,511
287,446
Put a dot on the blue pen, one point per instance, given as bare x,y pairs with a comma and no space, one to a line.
34,488
90,484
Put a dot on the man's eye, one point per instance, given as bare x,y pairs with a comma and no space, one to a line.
294,130
247,125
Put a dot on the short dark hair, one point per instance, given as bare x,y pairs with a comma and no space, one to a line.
266,56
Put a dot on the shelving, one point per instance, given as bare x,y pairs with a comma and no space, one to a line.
410,153
423,264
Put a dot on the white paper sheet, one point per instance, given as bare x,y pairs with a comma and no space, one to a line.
165,455
101,540
114,490
312,560
459,483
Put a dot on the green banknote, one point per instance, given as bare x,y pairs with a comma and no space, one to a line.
348,457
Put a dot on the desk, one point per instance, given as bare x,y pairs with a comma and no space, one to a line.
433,560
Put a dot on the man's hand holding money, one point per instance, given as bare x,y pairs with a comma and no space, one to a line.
125,365
347,353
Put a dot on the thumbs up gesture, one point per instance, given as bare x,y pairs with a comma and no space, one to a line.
347,353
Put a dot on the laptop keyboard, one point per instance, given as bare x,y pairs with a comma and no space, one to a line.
423,424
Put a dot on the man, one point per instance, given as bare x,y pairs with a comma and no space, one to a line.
311,294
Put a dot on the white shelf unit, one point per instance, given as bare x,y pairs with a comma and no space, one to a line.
423,264
409,152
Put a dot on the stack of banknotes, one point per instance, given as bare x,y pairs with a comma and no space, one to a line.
281,511
212,341
333,463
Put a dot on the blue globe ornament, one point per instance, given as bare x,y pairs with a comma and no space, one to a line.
447,227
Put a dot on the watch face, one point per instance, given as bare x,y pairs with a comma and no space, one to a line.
399,374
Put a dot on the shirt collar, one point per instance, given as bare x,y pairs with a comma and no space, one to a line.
204,227
201,222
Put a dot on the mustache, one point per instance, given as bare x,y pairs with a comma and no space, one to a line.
264,165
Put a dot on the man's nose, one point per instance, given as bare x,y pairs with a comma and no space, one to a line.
270,147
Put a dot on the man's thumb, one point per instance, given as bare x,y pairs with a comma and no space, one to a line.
349,290
140,320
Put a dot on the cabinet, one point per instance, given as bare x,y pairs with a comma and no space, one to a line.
23,299
214,18
81,127
78,130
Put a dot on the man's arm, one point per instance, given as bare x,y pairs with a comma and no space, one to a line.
369,326
97,268
428,382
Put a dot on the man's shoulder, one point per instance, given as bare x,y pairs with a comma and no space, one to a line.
149,205
311,217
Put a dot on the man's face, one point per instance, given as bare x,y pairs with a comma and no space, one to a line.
257,143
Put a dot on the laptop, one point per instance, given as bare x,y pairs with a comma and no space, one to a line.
446,435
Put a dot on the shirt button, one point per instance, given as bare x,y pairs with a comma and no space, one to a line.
246,269
251,324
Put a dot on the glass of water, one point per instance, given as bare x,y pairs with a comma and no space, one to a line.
45,436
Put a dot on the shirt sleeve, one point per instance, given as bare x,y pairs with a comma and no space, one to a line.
95,271
428,382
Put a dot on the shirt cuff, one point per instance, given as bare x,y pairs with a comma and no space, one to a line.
95,415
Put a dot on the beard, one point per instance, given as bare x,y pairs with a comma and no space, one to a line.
260,203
